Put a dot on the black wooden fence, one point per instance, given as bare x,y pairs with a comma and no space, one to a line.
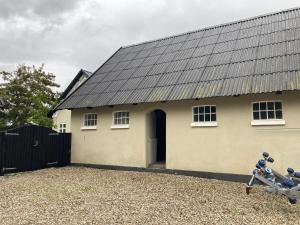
33,147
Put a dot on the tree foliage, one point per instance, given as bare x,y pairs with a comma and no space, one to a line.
29,94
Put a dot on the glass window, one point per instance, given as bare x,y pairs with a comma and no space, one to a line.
62,128
269,110
121,118
90,119
204,113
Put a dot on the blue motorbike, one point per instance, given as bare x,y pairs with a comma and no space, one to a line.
275,183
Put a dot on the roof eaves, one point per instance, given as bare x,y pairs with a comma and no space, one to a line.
56,107
70,86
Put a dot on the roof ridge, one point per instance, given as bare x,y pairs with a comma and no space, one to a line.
214,26
87,72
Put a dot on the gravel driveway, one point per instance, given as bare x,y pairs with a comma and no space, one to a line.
91,196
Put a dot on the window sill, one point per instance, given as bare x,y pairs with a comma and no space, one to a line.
204,124
267,122
124,126
88,128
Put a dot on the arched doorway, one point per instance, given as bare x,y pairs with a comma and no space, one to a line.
157,138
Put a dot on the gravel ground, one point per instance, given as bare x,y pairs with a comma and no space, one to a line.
91,196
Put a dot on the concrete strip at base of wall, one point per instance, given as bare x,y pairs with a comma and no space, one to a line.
208,175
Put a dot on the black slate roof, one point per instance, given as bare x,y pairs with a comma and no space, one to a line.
255,55
82,73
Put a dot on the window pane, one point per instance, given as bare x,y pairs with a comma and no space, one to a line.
263,106
115,121
279,114
256,106
271,115
207,117
213,117
263,115
201,109
196,118
207,109
195,110
213,109
256,115
127,120
201,118
278,105
270,105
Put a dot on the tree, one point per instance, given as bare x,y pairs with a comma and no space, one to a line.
2,114
29,94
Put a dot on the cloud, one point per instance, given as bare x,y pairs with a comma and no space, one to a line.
41,9
68,35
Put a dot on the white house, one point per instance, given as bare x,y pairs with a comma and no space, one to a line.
209,100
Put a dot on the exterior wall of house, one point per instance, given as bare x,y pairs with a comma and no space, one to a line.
234,146
123,147
62,116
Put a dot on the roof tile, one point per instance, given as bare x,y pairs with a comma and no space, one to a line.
255,55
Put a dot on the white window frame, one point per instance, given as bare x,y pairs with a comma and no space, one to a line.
203,123
267,122
120,126
89,127
62,129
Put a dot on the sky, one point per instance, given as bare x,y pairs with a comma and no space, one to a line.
67,35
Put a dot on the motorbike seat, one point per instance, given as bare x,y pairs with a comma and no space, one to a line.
297,174
293,173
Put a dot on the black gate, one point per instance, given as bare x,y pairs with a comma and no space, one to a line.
33,147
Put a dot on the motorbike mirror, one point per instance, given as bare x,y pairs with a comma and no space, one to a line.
290,170
270,159
265,155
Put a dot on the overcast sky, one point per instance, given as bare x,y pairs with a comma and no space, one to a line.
67,35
